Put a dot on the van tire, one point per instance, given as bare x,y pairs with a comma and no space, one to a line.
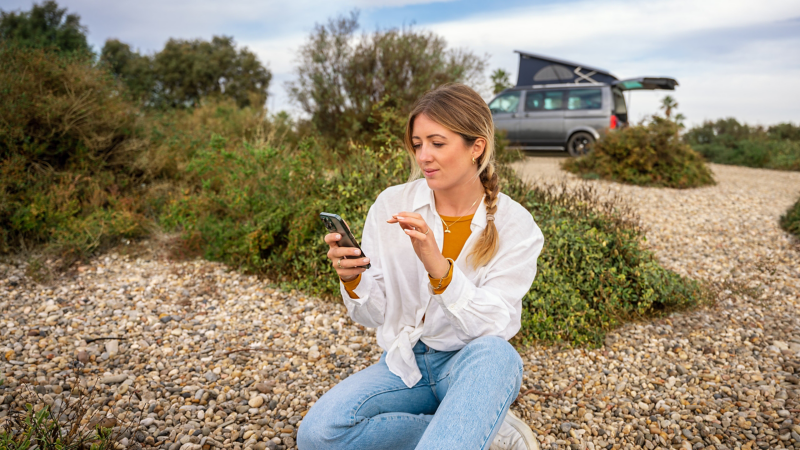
580,144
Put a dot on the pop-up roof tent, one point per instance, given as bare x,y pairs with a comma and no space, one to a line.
537,69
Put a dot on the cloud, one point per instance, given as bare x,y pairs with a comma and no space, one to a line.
730,58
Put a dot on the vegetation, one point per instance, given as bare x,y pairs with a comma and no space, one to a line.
341,77
45,25
648,154
727,141
84,166
594,274
791,220
66,139
500,81
185,72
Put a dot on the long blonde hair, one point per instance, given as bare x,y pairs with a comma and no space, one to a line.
461,110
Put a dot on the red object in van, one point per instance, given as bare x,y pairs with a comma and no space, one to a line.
613,124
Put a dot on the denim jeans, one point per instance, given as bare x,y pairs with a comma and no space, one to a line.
459,403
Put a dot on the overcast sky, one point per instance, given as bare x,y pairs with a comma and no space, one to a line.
732,58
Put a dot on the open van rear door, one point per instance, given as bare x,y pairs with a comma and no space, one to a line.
646,83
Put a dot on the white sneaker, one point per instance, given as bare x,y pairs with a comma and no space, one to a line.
514,434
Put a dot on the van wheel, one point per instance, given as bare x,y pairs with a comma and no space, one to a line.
580,144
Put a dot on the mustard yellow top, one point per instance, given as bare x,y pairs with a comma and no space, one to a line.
453,244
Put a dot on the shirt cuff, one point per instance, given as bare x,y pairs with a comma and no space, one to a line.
445,281
458,295
350,286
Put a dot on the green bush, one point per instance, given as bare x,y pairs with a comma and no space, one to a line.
726,141
791,220
66,136
648,154
594,274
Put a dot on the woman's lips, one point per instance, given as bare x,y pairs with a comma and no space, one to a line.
429,172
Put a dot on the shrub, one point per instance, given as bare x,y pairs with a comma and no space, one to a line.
71,423
726,141
66,135
594,274
791,220
649,154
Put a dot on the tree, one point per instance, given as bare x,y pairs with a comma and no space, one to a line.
185,72
45,25
668,104
501,80
133,69
341,77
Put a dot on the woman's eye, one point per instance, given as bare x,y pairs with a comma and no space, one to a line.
437,144
416,146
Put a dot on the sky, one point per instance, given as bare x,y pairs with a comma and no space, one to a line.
731,58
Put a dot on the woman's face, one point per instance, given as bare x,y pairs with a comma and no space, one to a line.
444,156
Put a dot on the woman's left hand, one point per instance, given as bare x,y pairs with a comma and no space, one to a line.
423,242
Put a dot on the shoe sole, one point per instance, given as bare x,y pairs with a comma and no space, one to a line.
524,430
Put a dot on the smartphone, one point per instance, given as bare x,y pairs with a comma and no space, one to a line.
335,224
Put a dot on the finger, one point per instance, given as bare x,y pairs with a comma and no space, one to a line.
415,234
332,239
407,222
341,252
350,263
412,215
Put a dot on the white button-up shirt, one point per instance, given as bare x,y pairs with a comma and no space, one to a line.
395,293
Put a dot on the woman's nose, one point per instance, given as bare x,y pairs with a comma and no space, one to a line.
423,154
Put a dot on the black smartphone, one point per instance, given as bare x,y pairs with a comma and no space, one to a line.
335,224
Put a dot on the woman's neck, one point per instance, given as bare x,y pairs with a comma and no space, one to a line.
459,201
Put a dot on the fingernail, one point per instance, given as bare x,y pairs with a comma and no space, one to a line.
407,231
337,236
356,252
366,260
400,218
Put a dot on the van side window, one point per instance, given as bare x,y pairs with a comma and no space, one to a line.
584,99
544,100
505,103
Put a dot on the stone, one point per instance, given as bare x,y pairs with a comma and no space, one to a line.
114,379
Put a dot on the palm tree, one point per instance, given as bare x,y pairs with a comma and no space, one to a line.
501,80
668,104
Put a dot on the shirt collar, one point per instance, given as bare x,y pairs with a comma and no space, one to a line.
424,197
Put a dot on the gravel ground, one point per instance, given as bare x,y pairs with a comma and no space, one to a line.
205,357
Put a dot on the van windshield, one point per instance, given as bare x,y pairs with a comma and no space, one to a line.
619,102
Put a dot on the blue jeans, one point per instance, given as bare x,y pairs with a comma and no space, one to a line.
459,403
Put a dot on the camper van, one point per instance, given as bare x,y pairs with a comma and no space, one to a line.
561,105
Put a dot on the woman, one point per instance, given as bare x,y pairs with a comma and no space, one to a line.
451,260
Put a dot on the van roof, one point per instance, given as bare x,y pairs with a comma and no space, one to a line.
535,69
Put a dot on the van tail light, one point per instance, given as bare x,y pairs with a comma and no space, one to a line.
613,124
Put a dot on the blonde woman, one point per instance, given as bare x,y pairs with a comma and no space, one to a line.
451,258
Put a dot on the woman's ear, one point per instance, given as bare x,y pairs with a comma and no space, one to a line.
478,147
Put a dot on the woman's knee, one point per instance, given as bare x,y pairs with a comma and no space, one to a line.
497,351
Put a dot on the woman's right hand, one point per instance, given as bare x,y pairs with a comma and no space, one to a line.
346,268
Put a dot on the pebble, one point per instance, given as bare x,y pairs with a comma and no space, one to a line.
198,336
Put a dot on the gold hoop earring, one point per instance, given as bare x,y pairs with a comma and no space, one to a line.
473,160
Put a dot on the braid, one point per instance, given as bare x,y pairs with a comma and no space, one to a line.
486,247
